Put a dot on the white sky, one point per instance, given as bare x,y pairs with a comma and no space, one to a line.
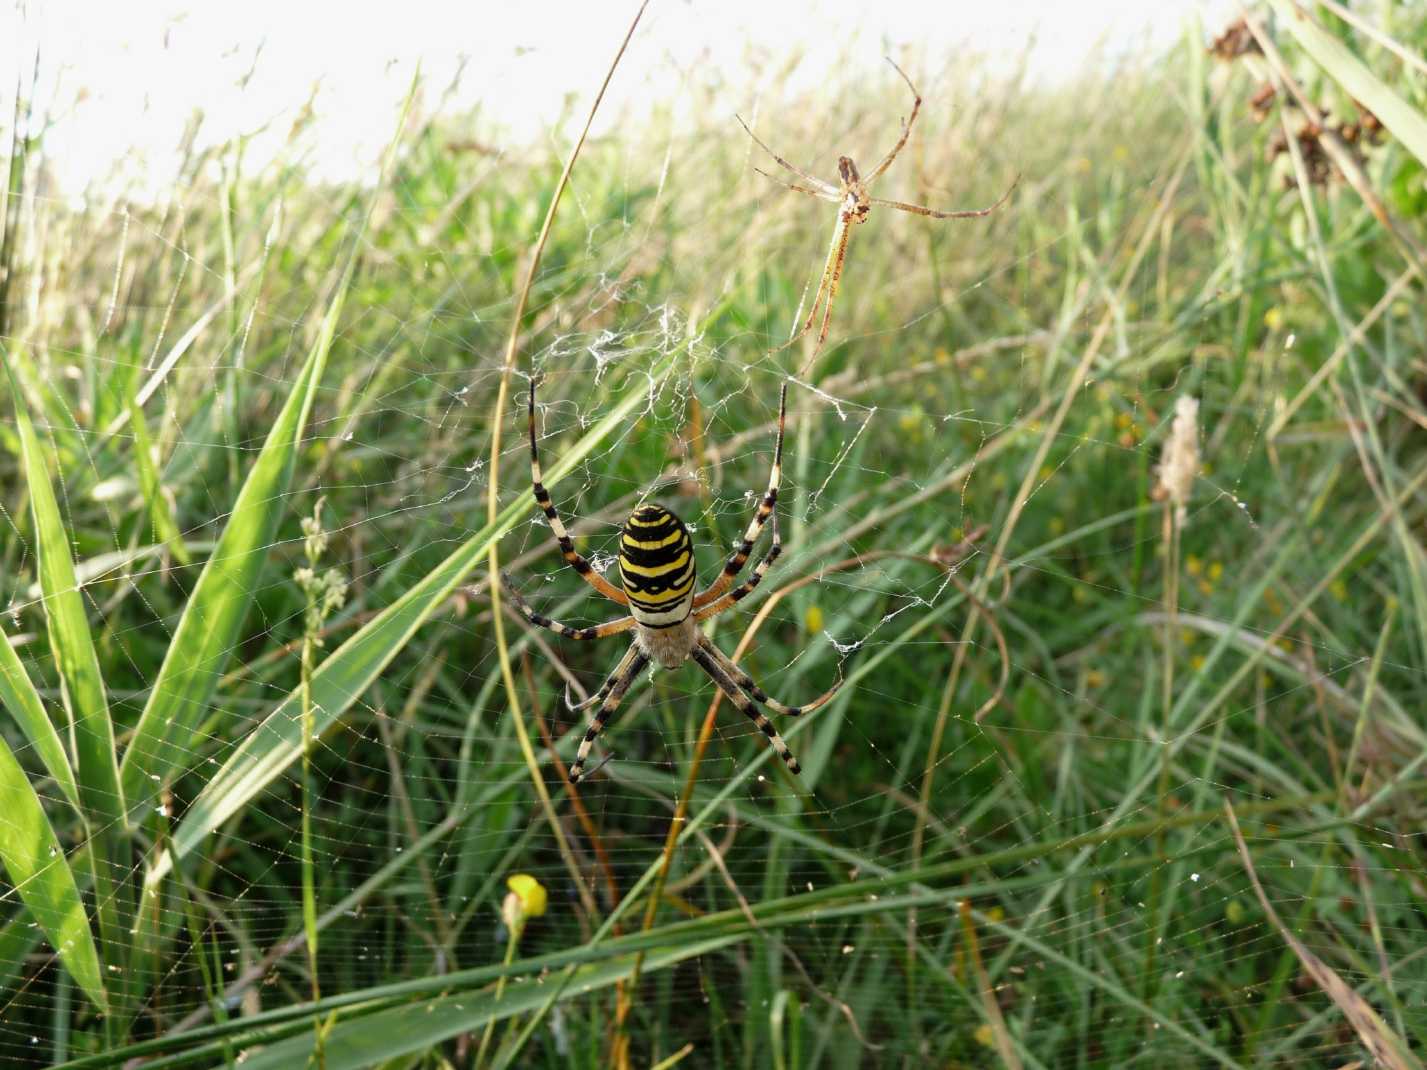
122,79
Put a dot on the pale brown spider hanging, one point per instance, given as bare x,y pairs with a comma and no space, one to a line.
851,193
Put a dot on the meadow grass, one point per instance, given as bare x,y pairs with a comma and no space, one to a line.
1008,846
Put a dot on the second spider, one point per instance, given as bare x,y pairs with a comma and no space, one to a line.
656,571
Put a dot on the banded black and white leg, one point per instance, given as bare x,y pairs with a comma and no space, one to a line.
766,509
748,586
614,690
725,683
598,631
557,526
750,687
605,688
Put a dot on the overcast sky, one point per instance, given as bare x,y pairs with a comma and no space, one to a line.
122,79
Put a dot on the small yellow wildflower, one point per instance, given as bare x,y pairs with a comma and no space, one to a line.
1193,565
1273,318
527,899
984,1036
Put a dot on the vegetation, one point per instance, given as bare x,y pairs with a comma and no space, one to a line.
259,716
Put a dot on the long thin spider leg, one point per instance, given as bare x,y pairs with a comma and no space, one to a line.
971,213
906,128
821,194
766,508
829,189
832,270
730,690
832,275
757,694
744,589
599,631
611,703
567,547
606,687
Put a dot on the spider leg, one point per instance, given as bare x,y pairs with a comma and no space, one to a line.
766,508
567,547
611,702
827,189
826,195
730,690
906,127
756,693
827,288
744,589
606,687
599,631
967,214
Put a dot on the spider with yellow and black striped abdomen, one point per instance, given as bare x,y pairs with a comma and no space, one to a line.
657,581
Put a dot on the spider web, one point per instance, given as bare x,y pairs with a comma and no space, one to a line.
1005,737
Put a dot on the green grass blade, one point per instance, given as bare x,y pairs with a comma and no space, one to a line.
350,670
208,630
41,874
72,645
18,694
1406,123
165,528
215,611
417,1027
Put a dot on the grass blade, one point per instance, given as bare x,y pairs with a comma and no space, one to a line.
72,645
161,519
1387,1048
416,1027
41,874
1406,123
18,694
220,600
350,670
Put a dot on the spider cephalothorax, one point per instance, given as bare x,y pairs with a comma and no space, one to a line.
855,201
656,569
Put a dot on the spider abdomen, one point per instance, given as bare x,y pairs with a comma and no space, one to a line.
656,567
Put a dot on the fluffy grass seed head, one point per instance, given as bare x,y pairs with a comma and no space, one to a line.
1179,464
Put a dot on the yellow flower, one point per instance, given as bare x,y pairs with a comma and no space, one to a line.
1273,318
813,620
527,899
985,1037
533,897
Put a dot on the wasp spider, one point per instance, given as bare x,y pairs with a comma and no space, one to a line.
656,571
